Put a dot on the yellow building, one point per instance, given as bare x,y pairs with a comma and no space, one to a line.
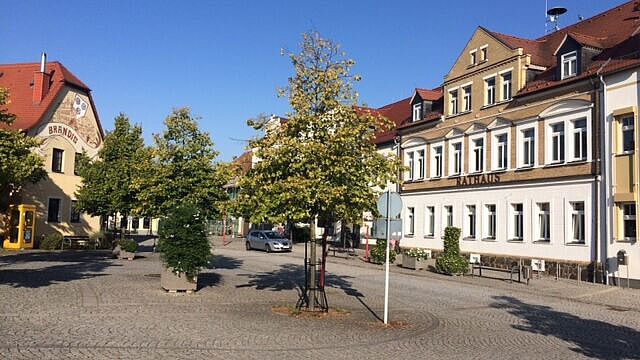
52,104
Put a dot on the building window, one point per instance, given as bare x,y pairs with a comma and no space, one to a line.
417,112
483,54
430,221
437,158
629,221
491,221
410,165
501,151
76,163
56,160
146,222
453,102
410,220
421,164
580,139
577,222
628,142
53,211
123,222
569,64
506,86
544,222
518,221
490,85
75,214
448,215
135,222
467,97
528,147
478,155
472,57
557,142
471,221
457,159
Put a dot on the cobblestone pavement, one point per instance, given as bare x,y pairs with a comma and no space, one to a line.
87,305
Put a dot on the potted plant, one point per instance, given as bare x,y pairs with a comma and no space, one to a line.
184,248
415,258
126,249
451,262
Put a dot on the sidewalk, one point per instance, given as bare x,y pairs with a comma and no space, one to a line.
613,297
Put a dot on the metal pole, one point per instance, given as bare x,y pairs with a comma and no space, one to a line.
366,247
386,275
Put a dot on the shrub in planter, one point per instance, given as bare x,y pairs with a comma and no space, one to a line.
52,242
450,262
183,241
128,245
415,258
378,252
419,254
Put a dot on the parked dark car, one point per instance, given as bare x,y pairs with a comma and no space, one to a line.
267,240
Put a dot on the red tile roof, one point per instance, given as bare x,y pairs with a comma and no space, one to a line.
398,112
19,80
431,95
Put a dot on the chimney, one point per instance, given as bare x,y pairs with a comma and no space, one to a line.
41,81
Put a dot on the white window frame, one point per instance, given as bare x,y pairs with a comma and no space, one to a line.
496,150
581,132
421,163
411,220
514,219
484,53
473,57
520,155
506,86
560,144
53,160
488,218
471,223
430,221
417,112
567,119
437,172
569,61
473,154
466,97
447,214
573,213
453,101
543,214
628,217
410,164
453,157
490,91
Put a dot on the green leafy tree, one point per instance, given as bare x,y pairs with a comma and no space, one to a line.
183,170
19,165
107,184
323,159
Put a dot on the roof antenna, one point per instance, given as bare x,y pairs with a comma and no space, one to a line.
553,17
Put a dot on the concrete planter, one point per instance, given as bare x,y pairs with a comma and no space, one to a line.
173,282
410,262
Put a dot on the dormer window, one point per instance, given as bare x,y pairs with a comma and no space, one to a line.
569,63
417,112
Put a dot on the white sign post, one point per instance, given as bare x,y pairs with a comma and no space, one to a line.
389,204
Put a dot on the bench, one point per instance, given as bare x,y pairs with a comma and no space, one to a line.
512,270
78,241
337,247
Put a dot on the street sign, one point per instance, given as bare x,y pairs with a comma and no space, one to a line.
395,204
380,229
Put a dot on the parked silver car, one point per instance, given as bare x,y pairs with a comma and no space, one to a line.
267,240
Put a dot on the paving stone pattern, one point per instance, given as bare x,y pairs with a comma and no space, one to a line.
78,305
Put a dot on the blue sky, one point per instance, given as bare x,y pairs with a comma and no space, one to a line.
222,58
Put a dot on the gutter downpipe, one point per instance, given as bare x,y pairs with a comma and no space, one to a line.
605,168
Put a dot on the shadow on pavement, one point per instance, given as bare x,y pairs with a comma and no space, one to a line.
592,338
224,262
64,267
208,279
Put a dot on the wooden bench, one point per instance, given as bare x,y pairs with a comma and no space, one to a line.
78,241
512,270
337,247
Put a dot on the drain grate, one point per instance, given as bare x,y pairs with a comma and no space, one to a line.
152,275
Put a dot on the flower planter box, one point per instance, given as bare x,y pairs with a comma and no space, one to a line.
173,282
411,262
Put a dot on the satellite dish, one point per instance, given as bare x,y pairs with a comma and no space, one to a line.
555,11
